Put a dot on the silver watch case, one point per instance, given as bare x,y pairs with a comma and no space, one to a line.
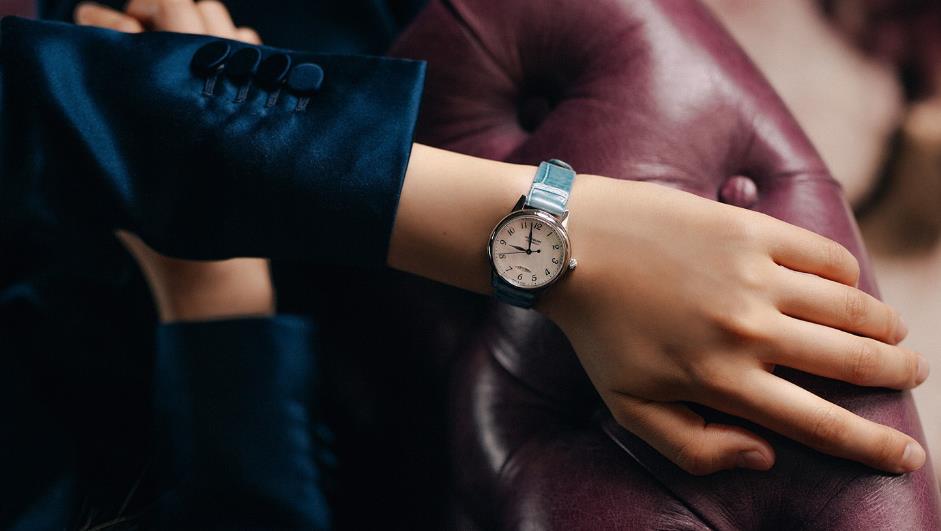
560,224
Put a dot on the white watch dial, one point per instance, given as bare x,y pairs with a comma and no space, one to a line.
528,251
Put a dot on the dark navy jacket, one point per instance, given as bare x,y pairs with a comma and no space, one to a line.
216,426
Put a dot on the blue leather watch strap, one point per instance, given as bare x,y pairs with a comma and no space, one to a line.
509,294
551,187
549,192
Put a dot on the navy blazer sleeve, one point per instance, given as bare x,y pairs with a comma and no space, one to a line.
103,130
232,412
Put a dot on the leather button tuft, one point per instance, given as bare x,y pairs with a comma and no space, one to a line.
532,111
210,57
305,79
273,70
243,63
740,191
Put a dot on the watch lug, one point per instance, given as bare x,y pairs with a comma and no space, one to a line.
520,203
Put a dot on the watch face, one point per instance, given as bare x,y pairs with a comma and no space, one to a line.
528,250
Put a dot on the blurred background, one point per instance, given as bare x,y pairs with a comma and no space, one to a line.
863,78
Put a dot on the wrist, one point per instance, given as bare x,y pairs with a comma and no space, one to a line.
209,307
219,290
448,207
597,218
194,290
563,297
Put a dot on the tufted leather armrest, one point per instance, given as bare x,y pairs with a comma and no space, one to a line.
644,90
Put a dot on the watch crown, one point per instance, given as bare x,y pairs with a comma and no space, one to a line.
572,264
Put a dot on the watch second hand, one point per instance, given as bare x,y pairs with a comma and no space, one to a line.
521,252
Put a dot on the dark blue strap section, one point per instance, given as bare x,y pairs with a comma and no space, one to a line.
512,295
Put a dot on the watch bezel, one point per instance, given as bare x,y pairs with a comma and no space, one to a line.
547,218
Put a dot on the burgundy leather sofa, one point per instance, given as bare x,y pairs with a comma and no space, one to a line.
634,89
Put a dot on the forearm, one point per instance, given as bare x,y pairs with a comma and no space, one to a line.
188,290
448,206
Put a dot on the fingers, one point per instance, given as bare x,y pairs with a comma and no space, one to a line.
802,250
216,19
829,303
180,16
218,22
143,10
207,17
687,440
832,353
796,413
92,14
248,35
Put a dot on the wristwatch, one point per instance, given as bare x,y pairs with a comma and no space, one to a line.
529,249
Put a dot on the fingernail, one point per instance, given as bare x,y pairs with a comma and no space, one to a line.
913,457
901,331
752,459
924,368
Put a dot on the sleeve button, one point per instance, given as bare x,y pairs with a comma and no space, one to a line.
210,57
273,70
243,63
305,79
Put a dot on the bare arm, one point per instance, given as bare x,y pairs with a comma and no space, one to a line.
680,298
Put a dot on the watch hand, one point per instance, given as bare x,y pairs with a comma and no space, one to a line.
523,252
517,247
530,248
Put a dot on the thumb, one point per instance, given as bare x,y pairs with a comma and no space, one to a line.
687,440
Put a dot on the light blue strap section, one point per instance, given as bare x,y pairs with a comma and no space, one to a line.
551,187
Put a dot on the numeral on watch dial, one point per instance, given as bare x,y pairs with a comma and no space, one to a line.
528,252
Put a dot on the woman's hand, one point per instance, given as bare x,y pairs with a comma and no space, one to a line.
679,298
189,290
206,17
686,299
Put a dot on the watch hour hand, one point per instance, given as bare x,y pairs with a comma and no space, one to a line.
518,248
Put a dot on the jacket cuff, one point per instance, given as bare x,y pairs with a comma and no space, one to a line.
124,132
234,425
